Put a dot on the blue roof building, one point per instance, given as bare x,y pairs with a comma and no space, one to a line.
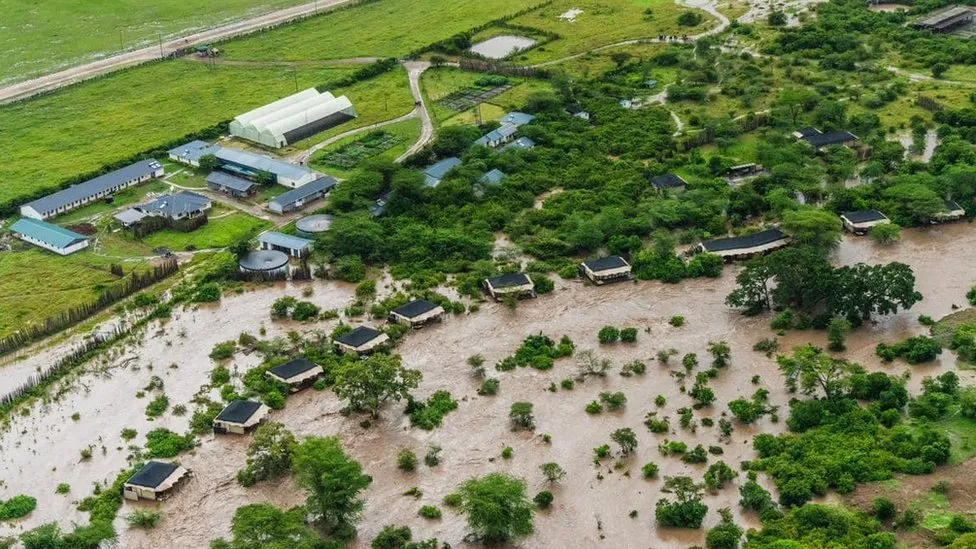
520,144
248,165
434,173
190,153
493,177
49,236
517,118
292,245
298,198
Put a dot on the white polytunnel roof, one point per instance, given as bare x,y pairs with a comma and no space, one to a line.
293,118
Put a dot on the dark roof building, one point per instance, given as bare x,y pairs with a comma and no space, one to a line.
741,247
153,481
190,153
862,221
953,211
606,269
78,195
378,208
264,261
239,417
820,140
297,373
947,20
668,181
302,196
417,312
230,184
177,206
518,284
363,339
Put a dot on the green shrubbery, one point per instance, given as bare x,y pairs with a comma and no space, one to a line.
428,415
17,507
537,351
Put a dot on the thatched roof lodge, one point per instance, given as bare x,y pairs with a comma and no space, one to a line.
417,313
518,284
744,247
240,417
861,222
362,340
606,269
155,481
297,373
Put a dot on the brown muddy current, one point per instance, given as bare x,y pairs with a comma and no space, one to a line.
41,449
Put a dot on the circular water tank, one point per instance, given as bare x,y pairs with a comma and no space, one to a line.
314,225
264,261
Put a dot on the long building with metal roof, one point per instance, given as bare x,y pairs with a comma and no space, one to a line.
49,236
78,195
298,198
248,164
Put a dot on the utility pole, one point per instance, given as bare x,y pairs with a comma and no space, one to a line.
294,73
121,45
159,38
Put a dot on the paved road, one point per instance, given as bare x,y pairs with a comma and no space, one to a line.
27,88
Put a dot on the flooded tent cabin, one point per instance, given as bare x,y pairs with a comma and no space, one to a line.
297,373
606,270
744,170
861,222
954,212
668,181
745,247
417,313
155,481
363,340
517,284
240,417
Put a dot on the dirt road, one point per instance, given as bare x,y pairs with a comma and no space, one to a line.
27,88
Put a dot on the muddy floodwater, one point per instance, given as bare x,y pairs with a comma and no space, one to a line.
592,504
502,46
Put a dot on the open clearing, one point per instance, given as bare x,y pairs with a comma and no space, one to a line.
217,233
387,28
39,37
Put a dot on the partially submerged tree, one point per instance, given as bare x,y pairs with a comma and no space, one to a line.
497,507
367,384
334,482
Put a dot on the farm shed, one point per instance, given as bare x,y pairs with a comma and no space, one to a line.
362,340
293,118
231,184
607,269
298,198
744,247
518,284
49,236
249,165
291,245
155,481
436,172
297,373
417,313
240,417
78,195
861,222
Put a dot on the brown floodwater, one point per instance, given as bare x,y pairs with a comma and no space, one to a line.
592,504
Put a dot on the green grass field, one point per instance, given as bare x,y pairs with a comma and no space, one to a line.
81,128
441,82
217,233
604,22
408,132
386,28
40,37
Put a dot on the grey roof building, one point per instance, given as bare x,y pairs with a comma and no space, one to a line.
190,153
417,313
520,144
300,197
378,208
297,373
668,181
517,118
493,177
154,481
78,195
436,172
177,206
249,164
230,184
291,245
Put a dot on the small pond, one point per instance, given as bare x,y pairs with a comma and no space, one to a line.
502,46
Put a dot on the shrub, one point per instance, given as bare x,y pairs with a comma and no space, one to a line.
690,19
223,351
453,500
146,519
17,507
219,376
628,335
677,321
208,292
884,509
163,443
520,416
432,457
649,470
63,488
886,234
697,455
659,400
407,460
543,499
430,414
915,350
594,408
304,310
489,387
608,334
430,512
567,384
507,452
718,475
393,537
157,406
614,401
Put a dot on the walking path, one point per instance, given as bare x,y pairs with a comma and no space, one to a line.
27,88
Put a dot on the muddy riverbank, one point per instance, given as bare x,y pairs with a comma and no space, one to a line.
42,449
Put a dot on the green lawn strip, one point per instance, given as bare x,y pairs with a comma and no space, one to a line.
127,197
386,28
217,233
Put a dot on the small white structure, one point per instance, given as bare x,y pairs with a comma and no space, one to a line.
303,195
518,284
49,236
291,245
240,417
861,222
417,313
363,340
190,153
744,247
293,118
607,269
155,481
297,373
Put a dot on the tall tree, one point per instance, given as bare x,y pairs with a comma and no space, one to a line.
752,291
863,290
367,384
263,526
333,481
813,227
814,370
497,507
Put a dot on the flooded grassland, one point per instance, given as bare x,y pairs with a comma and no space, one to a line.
42,449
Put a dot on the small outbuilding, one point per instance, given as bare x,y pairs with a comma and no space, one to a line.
436,172
232,185
240,417
862,221
953,212
155,481
518,284
49,236
292,245
520,144
304,195
744,247
264,261
821,140
297,373
668,181
362,340
492,177
417,313
606,269
577,111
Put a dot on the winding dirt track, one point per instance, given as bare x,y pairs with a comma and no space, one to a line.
28,88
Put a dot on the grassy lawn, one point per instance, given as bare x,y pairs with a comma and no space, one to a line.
604,22
36,284
596,63
217,233
408,132
387,28
40,37
441,82
81,128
